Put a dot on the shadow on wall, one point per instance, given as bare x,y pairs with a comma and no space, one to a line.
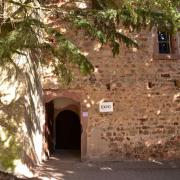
11,118
10,139
32,120
34,115
21,119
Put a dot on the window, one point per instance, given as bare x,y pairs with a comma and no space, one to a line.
165,46
164,41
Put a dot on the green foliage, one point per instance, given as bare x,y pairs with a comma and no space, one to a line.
65,52
17,37
138,13
10,144
10,153
22,31
103,28
102,22
81,23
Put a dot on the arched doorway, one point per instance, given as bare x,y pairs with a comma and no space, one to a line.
56,102
68,131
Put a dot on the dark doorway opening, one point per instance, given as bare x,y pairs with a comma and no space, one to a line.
48,128
68,131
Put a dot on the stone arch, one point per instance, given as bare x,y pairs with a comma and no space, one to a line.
68,101
50,95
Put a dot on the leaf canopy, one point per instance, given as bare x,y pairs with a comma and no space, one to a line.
23,28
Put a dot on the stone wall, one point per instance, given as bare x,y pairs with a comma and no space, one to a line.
21,117
11,117
145,123
34,114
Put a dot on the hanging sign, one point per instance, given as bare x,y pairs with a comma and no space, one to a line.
106,107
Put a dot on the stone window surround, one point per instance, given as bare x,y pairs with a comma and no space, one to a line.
174,55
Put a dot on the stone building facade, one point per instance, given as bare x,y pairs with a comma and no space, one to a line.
144,86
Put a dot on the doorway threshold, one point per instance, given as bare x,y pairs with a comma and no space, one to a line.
68,155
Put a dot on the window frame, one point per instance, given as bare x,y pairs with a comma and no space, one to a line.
174,47
167,41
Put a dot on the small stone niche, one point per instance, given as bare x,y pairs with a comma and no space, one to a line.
177,83
108,86
165,75
150,85
92,79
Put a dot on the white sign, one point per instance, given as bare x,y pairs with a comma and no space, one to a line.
85,114
106,107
